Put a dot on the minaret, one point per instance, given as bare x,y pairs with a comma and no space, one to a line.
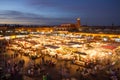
78,23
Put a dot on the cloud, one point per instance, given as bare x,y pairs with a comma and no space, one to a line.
78,7
13,13
57,5
11,16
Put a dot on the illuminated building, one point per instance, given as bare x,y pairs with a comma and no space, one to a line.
69,26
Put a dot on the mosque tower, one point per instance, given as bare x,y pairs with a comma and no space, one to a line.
78,24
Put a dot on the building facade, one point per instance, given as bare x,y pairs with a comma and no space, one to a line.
68,26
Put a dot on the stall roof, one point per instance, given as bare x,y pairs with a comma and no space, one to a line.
51,46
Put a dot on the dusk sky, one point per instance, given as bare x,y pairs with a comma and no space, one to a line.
55,12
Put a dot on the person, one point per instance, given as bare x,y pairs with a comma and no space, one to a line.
78,69
48,77
44,77
43,60
56,56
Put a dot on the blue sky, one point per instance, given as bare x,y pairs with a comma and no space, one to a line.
55,12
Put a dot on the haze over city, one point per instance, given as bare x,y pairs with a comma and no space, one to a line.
55,12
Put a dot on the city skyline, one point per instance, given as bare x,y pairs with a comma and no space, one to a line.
54,12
